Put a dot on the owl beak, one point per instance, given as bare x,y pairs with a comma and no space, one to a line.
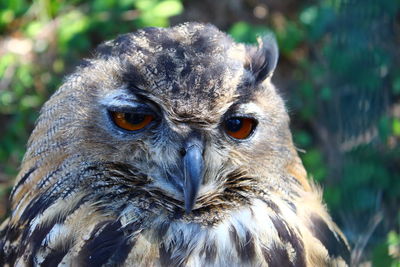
193,165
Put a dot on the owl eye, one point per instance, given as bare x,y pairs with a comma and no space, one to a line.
131,121
239,127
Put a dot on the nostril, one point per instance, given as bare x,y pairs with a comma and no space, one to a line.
182,152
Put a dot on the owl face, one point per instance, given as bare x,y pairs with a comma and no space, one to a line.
186,107
170,147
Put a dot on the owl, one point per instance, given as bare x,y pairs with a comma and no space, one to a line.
170,147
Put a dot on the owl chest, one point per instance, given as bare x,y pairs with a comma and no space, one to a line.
253,236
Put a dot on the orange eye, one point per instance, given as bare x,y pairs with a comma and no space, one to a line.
131,121
239,128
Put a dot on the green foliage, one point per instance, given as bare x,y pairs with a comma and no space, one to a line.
393,242
313,160
288,37
380,256
246,33
387,253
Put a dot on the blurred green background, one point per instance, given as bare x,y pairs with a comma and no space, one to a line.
339,72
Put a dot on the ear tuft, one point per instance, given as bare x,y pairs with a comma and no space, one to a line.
262,60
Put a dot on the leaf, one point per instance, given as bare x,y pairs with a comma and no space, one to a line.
30,101
309,15
34,28
396,127
290,37
167,9
71,25
145,5
245,33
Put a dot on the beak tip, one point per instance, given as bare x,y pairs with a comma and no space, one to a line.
188,210
189,204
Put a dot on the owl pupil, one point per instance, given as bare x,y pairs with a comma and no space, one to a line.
234,125
134,118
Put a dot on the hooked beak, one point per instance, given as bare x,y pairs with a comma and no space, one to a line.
193,166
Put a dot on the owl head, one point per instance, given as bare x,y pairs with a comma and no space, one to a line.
187,109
